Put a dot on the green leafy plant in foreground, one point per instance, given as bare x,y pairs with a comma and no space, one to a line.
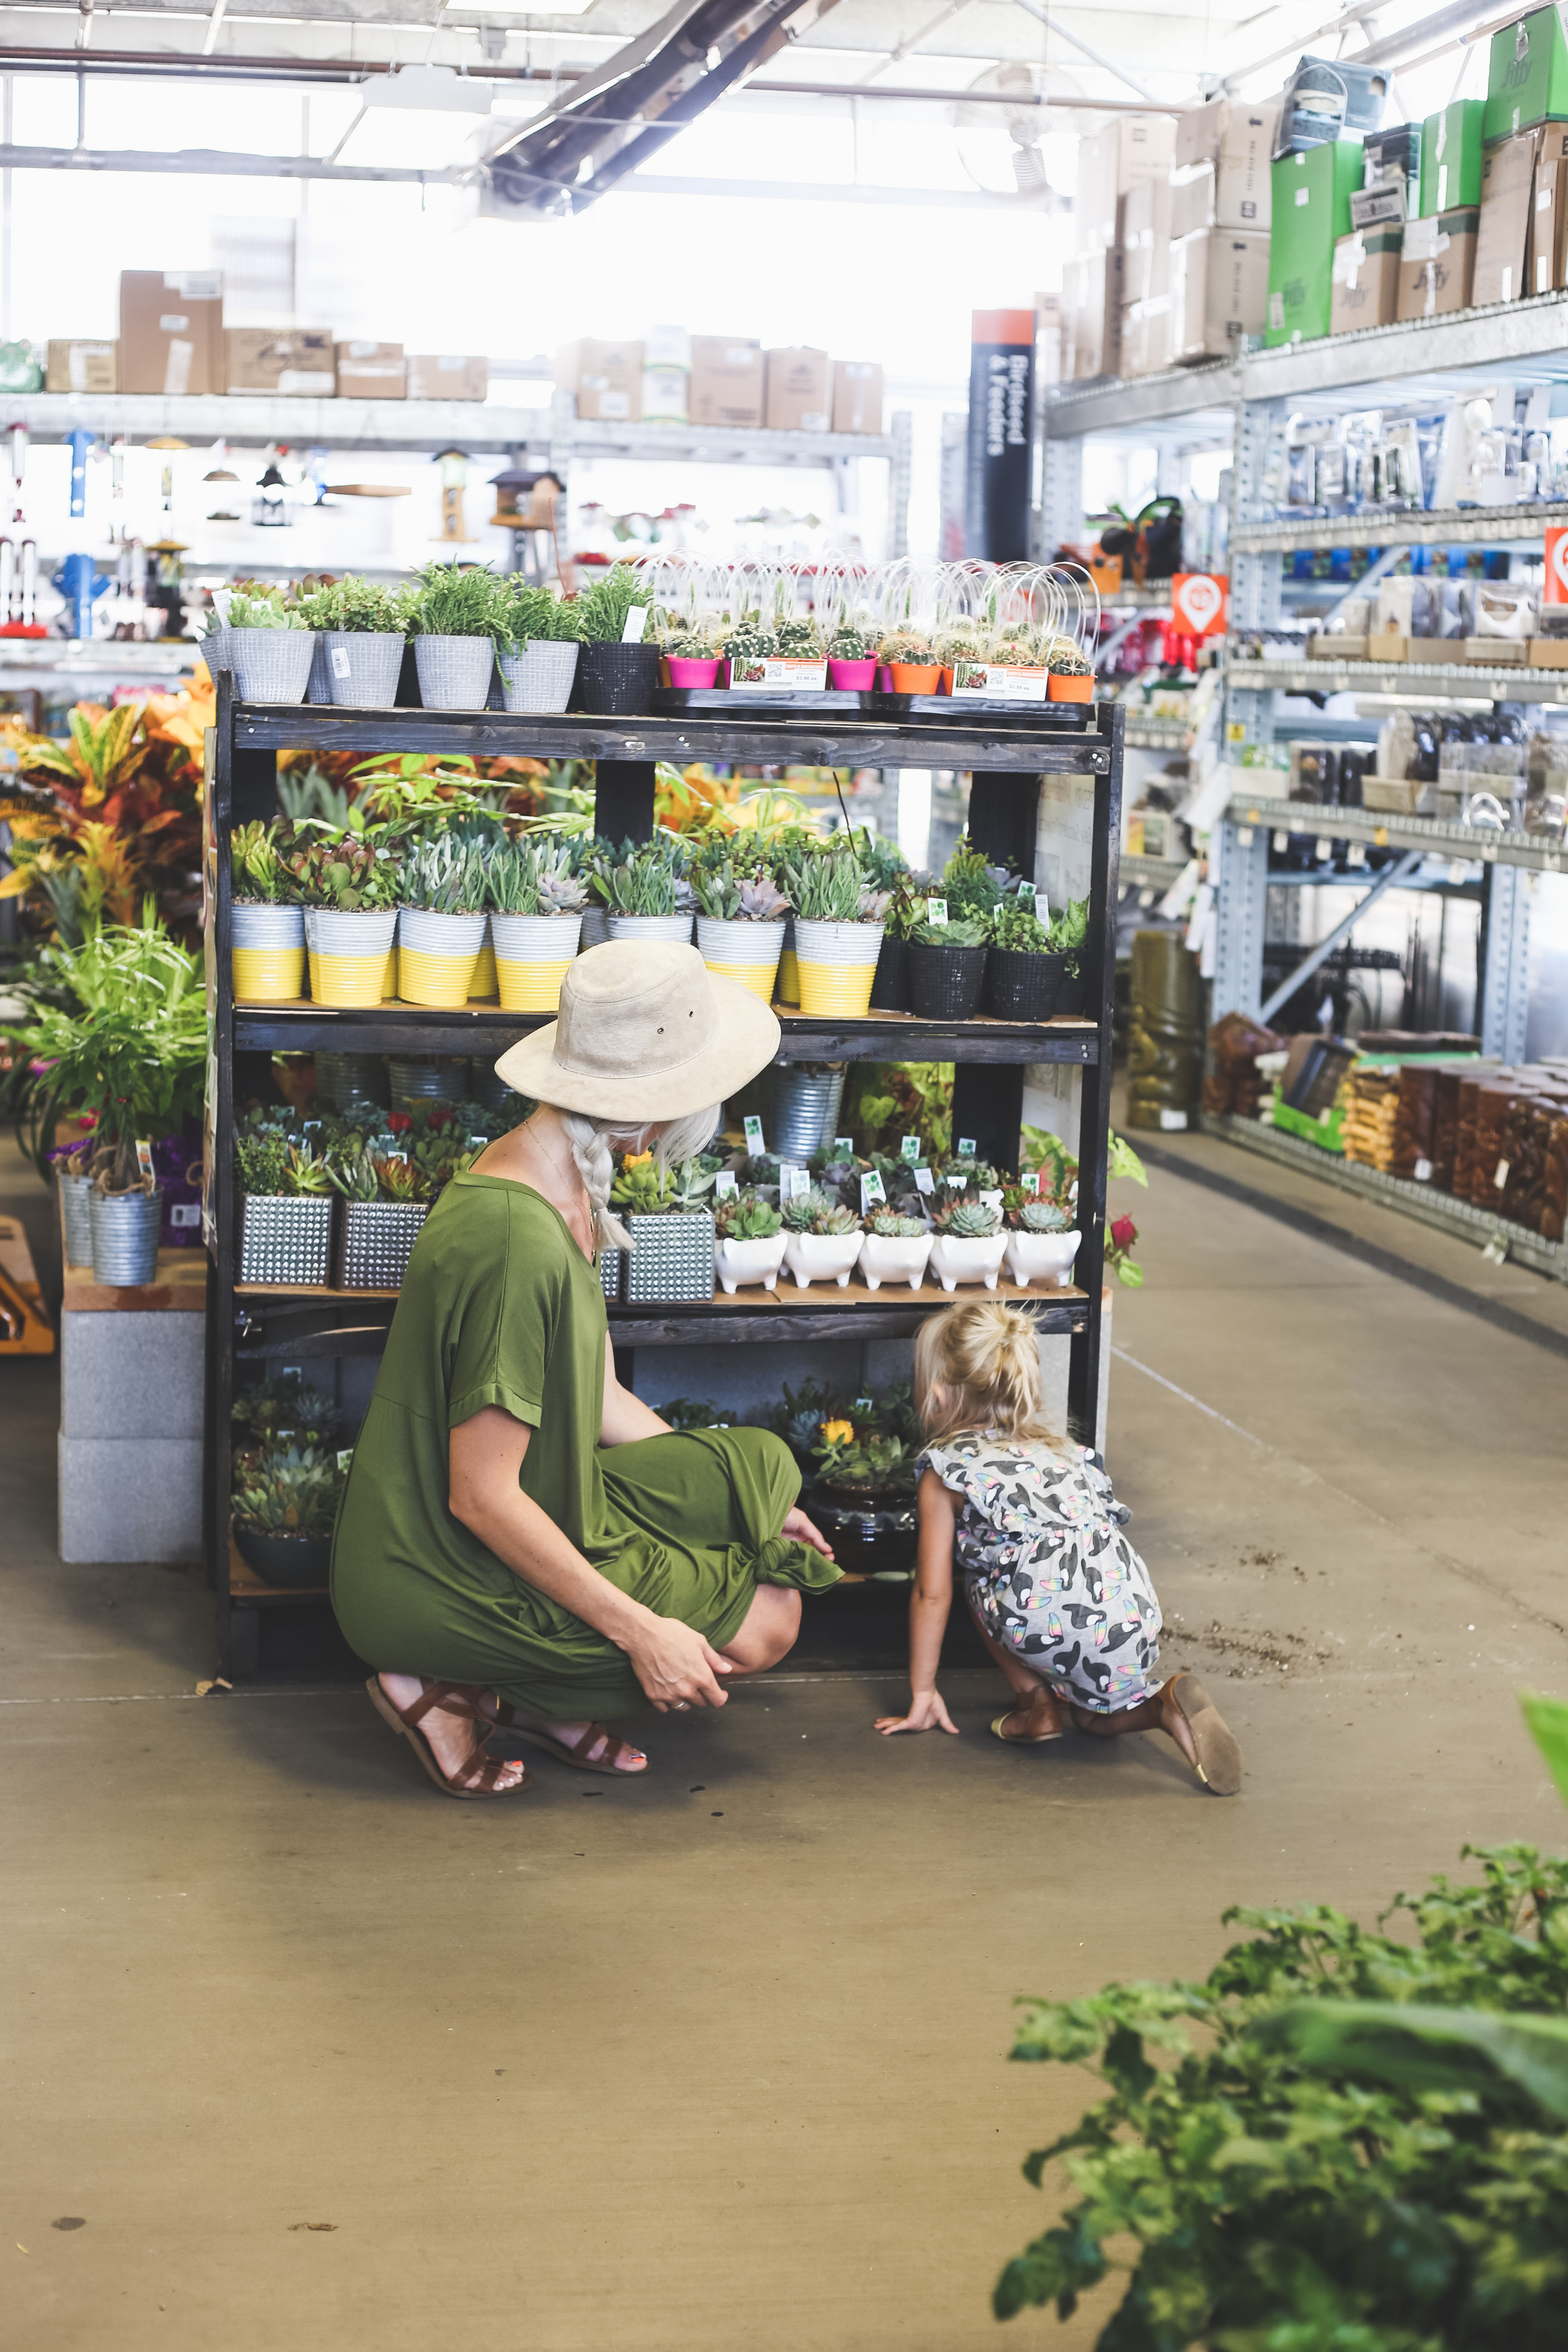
1360,2150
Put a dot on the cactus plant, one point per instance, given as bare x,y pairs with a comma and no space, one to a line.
746,1217
798,640
689,644
1063,660
848,643
749,641
907,645
967,1221
959,645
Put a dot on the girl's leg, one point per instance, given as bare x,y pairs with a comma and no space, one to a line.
1036,1716
1185,1711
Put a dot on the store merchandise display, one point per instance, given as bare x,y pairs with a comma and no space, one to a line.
672,377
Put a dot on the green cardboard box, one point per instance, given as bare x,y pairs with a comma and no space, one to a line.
1451,147
1310,195
1527,80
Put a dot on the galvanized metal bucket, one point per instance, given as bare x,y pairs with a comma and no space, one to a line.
344,1079
496,1095
677,928
806,1110
376,1242
272,665
76,1218
442,1077
125,1237
671,1262
285,1238
454,672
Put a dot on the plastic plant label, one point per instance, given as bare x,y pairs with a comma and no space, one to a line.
955,1183
186,1212
844,1143
144,1158
1172,1120
1281,843
345,1457
924,1182
395,1159
909,1149
340,661
936,910
724,1182
863,1404
634,625
1029,1183
1456,872
1244,837
1501,1176
754,1130
1356,854
799,1182
1323,846
1026,889
1423,1171
477,1142
967,1148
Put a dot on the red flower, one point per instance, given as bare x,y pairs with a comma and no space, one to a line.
438,1120
398,1122
1123,1234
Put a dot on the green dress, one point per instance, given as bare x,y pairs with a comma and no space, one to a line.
500,1307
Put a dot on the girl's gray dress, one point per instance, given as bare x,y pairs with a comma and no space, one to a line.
1047,1570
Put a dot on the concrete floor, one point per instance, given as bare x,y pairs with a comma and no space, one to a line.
320,2058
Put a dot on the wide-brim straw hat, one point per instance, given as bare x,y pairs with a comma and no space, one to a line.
646,1030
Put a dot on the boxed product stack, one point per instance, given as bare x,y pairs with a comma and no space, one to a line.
1311,191
666,377
1367,262
1219,222
1134,150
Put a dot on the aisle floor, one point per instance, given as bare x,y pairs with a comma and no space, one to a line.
319,2059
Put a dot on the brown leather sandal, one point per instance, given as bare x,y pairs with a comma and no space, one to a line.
507,1718
478,1777
1219,1757
1018,1739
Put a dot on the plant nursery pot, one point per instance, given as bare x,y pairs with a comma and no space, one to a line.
283,1556
652,927
320,688
686,672
1062,689
837,962
376,1242
890,980
436,955
945,982
852,677
596,930
454,672
272,665
804,1110
76,1218
427,1078
610,1262
1072,996
533,956
748,952
617,680
285,1237
671,1262
217,649
268,954
954,1262
740,1263
822,1257
344,1079
348,966
541,676
1045,1258
915,677
125,1237
363,667
484,984
1021,985
871,1535
887,1258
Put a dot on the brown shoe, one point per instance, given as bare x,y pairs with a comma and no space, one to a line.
1220,1757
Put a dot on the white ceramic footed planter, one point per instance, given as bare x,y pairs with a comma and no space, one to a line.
889,1257
1046,1258
743,1262
822,1257
954,1262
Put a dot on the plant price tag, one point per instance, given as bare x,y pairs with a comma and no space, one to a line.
1500,1178
955,1183
967,1148
755,1143
799,1181
936,910
345,1457
844,1143
1423,1171
339,669
1029,1182
909,1150
724,1182
1026,889
634,626
873,1193
144,1158
924,1182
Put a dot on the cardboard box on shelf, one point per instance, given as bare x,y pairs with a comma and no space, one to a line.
1191,200
666,397
727,380
77,366
171,330
1544,254
858,393
1452,152
1147,336
1220,286
1527,75
1438,266
1366,279
1311,199
446,375
369,371
1133,147
294,363
799,390
1145,241
1508,187
1548,652
605,377
666,347
1091,309
1239,141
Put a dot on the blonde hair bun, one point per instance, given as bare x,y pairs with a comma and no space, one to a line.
977,1366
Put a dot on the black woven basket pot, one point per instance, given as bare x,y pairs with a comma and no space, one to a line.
1072,996
890,980
278,1556
616,681
945,982
1021,985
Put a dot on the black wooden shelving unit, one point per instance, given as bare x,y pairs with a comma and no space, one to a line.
257,1326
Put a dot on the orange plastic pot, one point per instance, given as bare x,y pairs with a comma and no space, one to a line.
1063,687
915,677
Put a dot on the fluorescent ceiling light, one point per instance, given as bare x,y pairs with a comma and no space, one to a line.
426,90
420,117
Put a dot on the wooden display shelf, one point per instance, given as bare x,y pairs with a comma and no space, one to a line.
181,1286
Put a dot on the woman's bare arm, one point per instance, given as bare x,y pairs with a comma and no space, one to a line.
485,1454
626,1418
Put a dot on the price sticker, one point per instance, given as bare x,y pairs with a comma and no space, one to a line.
967,1148
936,910
1356,854
1282,843
924,1182
1244,837
1500,1178
339,669
1423,1171
1323,846
754,1144
345,1457
873,1193
909,1150
144,1158
724,1182
186,1213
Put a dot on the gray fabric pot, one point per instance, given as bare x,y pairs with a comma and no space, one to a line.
363,667
125,1237
454,672
272,665
216,650
540,678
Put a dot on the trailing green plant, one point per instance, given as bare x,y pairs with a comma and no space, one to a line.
441,874
746,1217
256,607
462,600
891,1225
644,877
292,1490
360,607
348,872
967,932
600,612
967,1221
257,852
1017,928
817,1212
535,875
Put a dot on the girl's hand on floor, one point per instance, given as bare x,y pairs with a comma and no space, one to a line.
797,1528
926,1713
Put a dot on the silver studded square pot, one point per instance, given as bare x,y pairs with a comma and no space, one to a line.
376,1242
285,1237
610,1273
671,1264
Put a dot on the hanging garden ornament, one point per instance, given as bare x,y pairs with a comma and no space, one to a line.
268,508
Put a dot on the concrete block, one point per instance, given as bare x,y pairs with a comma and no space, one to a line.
129,1499
131,1375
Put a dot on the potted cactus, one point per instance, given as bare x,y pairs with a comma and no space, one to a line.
669,1213
1071,678
1041,1242
285,1206
536,920
285,1505
946,966
617,674
347,884
746,649
690,658
956,649
851,660
740,919
822,1239
750,1242
361,630
538,661
271,644
268,955
838,925
911,663
969,1244
441,927
645,889
1022,973
897,1249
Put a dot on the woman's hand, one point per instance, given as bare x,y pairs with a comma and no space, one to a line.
927,1713
797,1528
675,1665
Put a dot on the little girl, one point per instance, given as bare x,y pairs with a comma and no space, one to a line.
1063,1603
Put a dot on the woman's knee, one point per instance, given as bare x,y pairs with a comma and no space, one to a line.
769,1631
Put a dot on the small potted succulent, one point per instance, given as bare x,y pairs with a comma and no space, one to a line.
863,1463
969,1242
740,919
750,1242
947,969
1071,672
441,925
386,1199
1023,973
536,920
691,658
617,674
268,954
851,660
745,648
285,1505
669,1213
897,1249
1041,1241
822,1239
285,1207
1069,940
361,631
838,925
911,663
645,889
271,644
538,662
458,618
348,885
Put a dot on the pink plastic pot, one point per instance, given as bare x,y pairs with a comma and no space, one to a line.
852,677
683,672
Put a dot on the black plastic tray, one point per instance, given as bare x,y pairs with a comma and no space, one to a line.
734,701
954,708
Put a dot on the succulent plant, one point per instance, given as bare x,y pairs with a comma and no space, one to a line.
818,1212
827,885
646,877
965,933
691,1412
749,641
443,874
888,1226
1017,927
1043,1217
692,1186
533,875
689,644
260,877
730,893
967,1221
848,643
979,1176
744,1217
286,1407
798,640
290,1490
848,1457
641,1187
970,883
